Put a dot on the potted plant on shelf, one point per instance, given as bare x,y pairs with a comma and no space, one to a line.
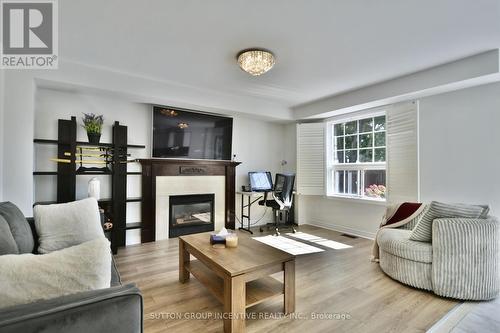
93,126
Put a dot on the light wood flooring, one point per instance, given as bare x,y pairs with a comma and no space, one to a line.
334,283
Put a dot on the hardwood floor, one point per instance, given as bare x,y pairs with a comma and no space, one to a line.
335,283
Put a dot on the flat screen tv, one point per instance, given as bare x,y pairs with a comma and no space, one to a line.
179,133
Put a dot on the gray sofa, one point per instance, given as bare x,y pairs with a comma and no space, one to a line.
115,309
462,261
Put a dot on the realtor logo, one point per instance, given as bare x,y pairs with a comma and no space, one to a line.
29,34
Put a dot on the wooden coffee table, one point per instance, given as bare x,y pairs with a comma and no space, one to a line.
238,277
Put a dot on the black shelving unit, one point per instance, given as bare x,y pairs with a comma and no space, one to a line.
136,225
115,207
45,173
83,143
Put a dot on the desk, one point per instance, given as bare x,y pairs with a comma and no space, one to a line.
252,197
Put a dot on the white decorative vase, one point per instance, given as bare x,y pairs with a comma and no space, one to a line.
95,188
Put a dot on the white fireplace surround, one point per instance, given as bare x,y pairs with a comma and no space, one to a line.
183,185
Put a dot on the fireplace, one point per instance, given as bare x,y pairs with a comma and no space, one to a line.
190,214
163,178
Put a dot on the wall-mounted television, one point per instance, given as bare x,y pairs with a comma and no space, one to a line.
180,133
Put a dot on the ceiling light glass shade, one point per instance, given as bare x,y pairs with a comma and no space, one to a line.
256,62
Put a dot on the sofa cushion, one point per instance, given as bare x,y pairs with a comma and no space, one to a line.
397,243
7,243
26,278
63,225
117,309
413,273
19,227
423,230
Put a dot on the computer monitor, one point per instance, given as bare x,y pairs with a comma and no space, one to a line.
260,181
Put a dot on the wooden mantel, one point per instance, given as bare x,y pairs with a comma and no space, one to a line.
152,168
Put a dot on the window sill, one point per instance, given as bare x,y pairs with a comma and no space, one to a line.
378,202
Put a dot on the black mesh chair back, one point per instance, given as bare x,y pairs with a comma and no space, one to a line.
283,186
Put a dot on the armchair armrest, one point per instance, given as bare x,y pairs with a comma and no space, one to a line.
465,263
116,309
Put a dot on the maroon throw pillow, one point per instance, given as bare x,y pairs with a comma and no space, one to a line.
405,210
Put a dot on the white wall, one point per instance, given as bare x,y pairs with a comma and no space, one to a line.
459,146
290,147
354,217
51,105
2,140
459,161
19,112
258,144
18,139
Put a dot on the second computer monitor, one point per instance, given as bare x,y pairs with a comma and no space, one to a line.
260,181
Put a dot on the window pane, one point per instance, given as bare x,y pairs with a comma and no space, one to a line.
380,139
366,155
375,183
340,156
351,127
380,123
339,181
379,154
351,156
366,140
351,142
338,129
351,182
366,125
340,143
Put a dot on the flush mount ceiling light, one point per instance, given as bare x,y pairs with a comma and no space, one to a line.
256,61
183,125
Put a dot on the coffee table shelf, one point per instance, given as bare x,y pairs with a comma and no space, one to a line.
238,277
257,291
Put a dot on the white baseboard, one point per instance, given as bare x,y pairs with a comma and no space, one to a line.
343,229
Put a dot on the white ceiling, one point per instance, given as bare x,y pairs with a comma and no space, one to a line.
323,47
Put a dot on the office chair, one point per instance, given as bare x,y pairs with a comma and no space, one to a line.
282,199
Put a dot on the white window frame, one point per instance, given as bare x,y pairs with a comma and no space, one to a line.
332,167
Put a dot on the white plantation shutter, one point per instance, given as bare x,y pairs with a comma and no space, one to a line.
311,158
402,152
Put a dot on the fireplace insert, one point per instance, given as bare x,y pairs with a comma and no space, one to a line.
190,214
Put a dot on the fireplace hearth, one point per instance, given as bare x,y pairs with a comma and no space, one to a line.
190,214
